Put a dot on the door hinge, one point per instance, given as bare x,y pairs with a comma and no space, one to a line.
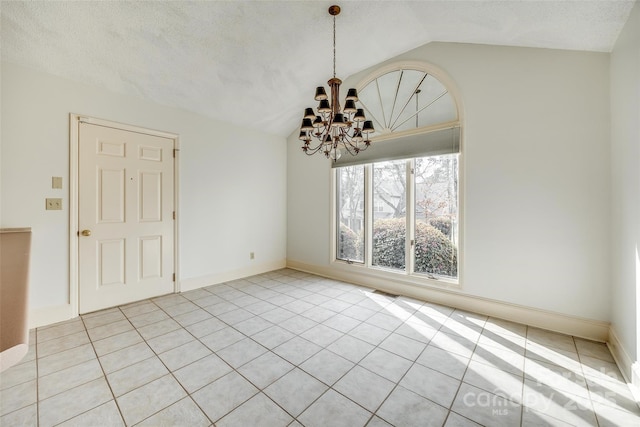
174,152
174,214
413,243
174,277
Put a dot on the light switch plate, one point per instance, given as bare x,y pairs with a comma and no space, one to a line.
54,204
56,182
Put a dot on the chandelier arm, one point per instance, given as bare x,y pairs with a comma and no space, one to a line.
353,148
350,145
327,118
313,150
321,131
349,151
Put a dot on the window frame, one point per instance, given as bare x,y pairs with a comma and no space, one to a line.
408,276
410,226
335,222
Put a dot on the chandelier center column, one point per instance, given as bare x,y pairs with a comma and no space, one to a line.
334,84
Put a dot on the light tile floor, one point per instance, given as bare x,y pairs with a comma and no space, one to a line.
288,348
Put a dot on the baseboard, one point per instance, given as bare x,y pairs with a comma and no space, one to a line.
44,316
630,369
635,381
571,325
620,354
212,279
48,315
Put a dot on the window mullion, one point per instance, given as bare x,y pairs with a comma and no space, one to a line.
410,218
335,218
368,216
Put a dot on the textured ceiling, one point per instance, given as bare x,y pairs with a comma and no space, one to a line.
256,63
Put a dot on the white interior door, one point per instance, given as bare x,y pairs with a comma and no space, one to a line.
125,216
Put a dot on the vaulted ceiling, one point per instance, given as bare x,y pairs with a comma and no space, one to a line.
256,63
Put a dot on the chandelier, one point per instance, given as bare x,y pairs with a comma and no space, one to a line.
335,130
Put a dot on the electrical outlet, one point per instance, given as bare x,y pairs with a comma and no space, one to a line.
252,255
54,204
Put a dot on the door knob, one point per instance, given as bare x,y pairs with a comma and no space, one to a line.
86,232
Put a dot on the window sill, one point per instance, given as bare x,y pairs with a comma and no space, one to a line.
401,278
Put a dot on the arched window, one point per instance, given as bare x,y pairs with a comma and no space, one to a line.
407,99
397,203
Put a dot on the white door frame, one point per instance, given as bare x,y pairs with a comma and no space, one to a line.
74,142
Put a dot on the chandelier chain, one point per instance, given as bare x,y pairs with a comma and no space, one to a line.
334,46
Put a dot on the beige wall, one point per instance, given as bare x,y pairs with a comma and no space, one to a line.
232,180
536,177
625,186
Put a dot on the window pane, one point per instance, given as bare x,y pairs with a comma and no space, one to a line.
350,209
389,213
436,215
429,105
406,99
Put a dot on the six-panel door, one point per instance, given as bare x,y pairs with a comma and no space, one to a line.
126,208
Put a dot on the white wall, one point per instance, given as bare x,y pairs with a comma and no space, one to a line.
536,171
625,185
232,180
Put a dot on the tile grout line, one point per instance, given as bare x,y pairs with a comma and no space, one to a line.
461,382
586,383
102,368
261,390
377,346
238,291
157,355
170,372
524,375
78,385
295,366
104,374
189,395
37,382
397,384
234,328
